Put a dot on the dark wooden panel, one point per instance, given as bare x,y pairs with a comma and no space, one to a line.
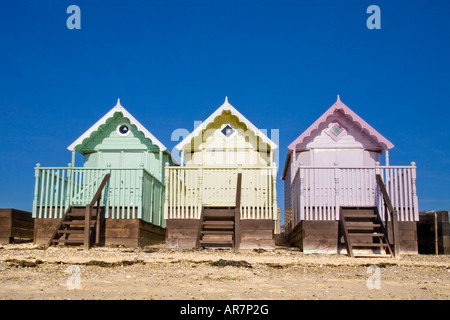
182,223
427,233
181,243
257,234
181,233
320,245
257,224
323,236
249,244
126,232
15,224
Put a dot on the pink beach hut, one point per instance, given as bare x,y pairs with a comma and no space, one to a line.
339,198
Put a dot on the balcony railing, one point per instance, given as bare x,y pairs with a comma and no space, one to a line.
130,193
317,193
191,187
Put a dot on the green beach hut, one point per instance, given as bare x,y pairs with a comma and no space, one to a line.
116,197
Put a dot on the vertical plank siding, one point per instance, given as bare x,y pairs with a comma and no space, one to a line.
190,188
130,193
317,193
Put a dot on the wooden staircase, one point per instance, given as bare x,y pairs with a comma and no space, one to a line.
217,228
80,224
220,226
364,232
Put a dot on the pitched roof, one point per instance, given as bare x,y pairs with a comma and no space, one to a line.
226,106
118,108
340,106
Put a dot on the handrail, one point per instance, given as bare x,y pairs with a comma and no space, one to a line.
393,215
87,220
100,189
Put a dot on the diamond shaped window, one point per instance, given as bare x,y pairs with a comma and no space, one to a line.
227,131
336,130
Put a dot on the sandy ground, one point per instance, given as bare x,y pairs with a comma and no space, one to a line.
28,271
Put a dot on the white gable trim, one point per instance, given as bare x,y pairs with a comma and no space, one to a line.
126,114
218,112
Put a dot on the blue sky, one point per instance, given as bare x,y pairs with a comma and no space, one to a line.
281,64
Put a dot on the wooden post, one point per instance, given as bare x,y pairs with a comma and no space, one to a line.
37,174
97,229
166,192
182,158
293,166
87,225
274,190
73,158
161,158
69,187
200,189
237,213
395,234
436,234
414,191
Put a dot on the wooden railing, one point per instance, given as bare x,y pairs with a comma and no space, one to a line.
58,188
191,187
317,193
88,215
390,214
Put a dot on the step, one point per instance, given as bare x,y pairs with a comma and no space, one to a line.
359,216
216,242
361,225
219,214
79,214
359,209
218,227
365,234
77,222
369,245
374,255
70,231
71,241
226,232
218,224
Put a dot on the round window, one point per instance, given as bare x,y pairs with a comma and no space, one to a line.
123,129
